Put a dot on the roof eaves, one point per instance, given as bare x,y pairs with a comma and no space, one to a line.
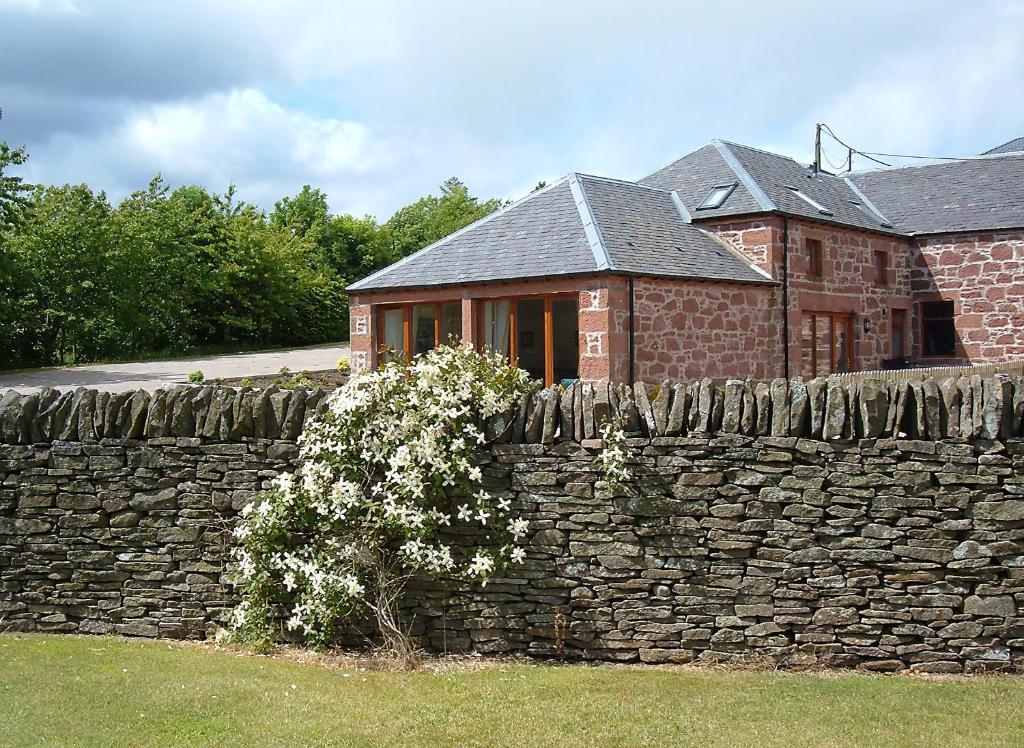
361,285
590,227
743,175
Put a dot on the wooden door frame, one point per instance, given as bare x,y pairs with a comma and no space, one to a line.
513,326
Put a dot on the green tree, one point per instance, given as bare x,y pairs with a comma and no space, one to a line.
14,191
434,217
64,242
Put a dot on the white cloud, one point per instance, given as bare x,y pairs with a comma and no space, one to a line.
378,103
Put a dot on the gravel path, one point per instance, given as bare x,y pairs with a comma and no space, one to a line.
151,375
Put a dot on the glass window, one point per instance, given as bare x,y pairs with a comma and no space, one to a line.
938,332
530,341
717,196
882,268
394,332
451,324
496,325
566,344
899,326
814,257
422,328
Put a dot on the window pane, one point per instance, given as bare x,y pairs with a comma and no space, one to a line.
937,309
842,346
422,328
938,330
451,323
530,336
566,344
394,331
823,331
899,324
496,325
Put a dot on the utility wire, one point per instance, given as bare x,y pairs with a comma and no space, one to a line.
871,154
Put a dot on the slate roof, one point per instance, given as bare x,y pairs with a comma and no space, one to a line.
580,224
970,195
585,224
763,180
644,233
1012,146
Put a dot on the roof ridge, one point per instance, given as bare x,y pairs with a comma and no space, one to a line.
464,229
743,175
940,162
673,161
615,180
591,227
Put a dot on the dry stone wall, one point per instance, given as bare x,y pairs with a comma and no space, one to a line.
873,525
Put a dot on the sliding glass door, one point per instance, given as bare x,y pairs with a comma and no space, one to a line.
539,333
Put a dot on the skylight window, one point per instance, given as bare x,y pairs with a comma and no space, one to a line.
717,196
810,201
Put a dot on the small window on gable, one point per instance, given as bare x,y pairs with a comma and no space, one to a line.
881,268
812,250
810,201
938,331
717,196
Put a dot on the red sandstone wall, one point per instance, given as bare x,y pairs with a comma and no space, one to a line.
686,330
983,275
846,286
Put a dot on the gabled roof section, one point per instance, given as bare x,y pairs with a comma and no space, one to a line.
766,183
540,235
696,174
1011,146
782,177
645,233
974,194
580,224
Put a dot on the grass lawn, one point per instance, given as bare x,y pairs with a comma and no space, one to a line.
105,691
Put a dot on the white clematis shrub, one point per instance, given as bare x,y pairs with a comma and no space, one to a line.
389,488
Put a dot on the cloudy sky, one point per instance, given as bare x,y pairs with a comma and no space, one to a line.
378,102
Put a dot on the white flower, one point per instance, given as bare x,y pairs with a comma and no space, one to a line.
518,555
475,474
481,565
465,513
518,526
482,516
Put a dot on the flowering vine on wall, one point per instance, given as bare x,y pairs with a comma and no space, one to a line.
389,487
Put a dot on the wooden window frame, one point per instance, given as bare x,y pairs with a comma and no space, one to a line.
881,272
513,327
851,359
407,307
815,258
893,314
921,325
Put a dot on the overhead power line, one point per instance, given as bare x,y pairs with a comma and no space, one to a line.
871,155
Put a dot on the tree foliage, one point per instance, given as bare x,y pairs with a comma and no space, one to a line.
171,270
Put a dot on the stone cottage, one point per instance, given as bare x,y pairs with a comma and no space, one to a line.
728,262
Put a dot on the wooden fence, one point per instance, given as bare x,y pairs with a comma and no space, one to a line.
937,372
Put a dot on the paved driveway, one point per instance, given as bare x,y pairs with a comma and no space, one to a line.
151,375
